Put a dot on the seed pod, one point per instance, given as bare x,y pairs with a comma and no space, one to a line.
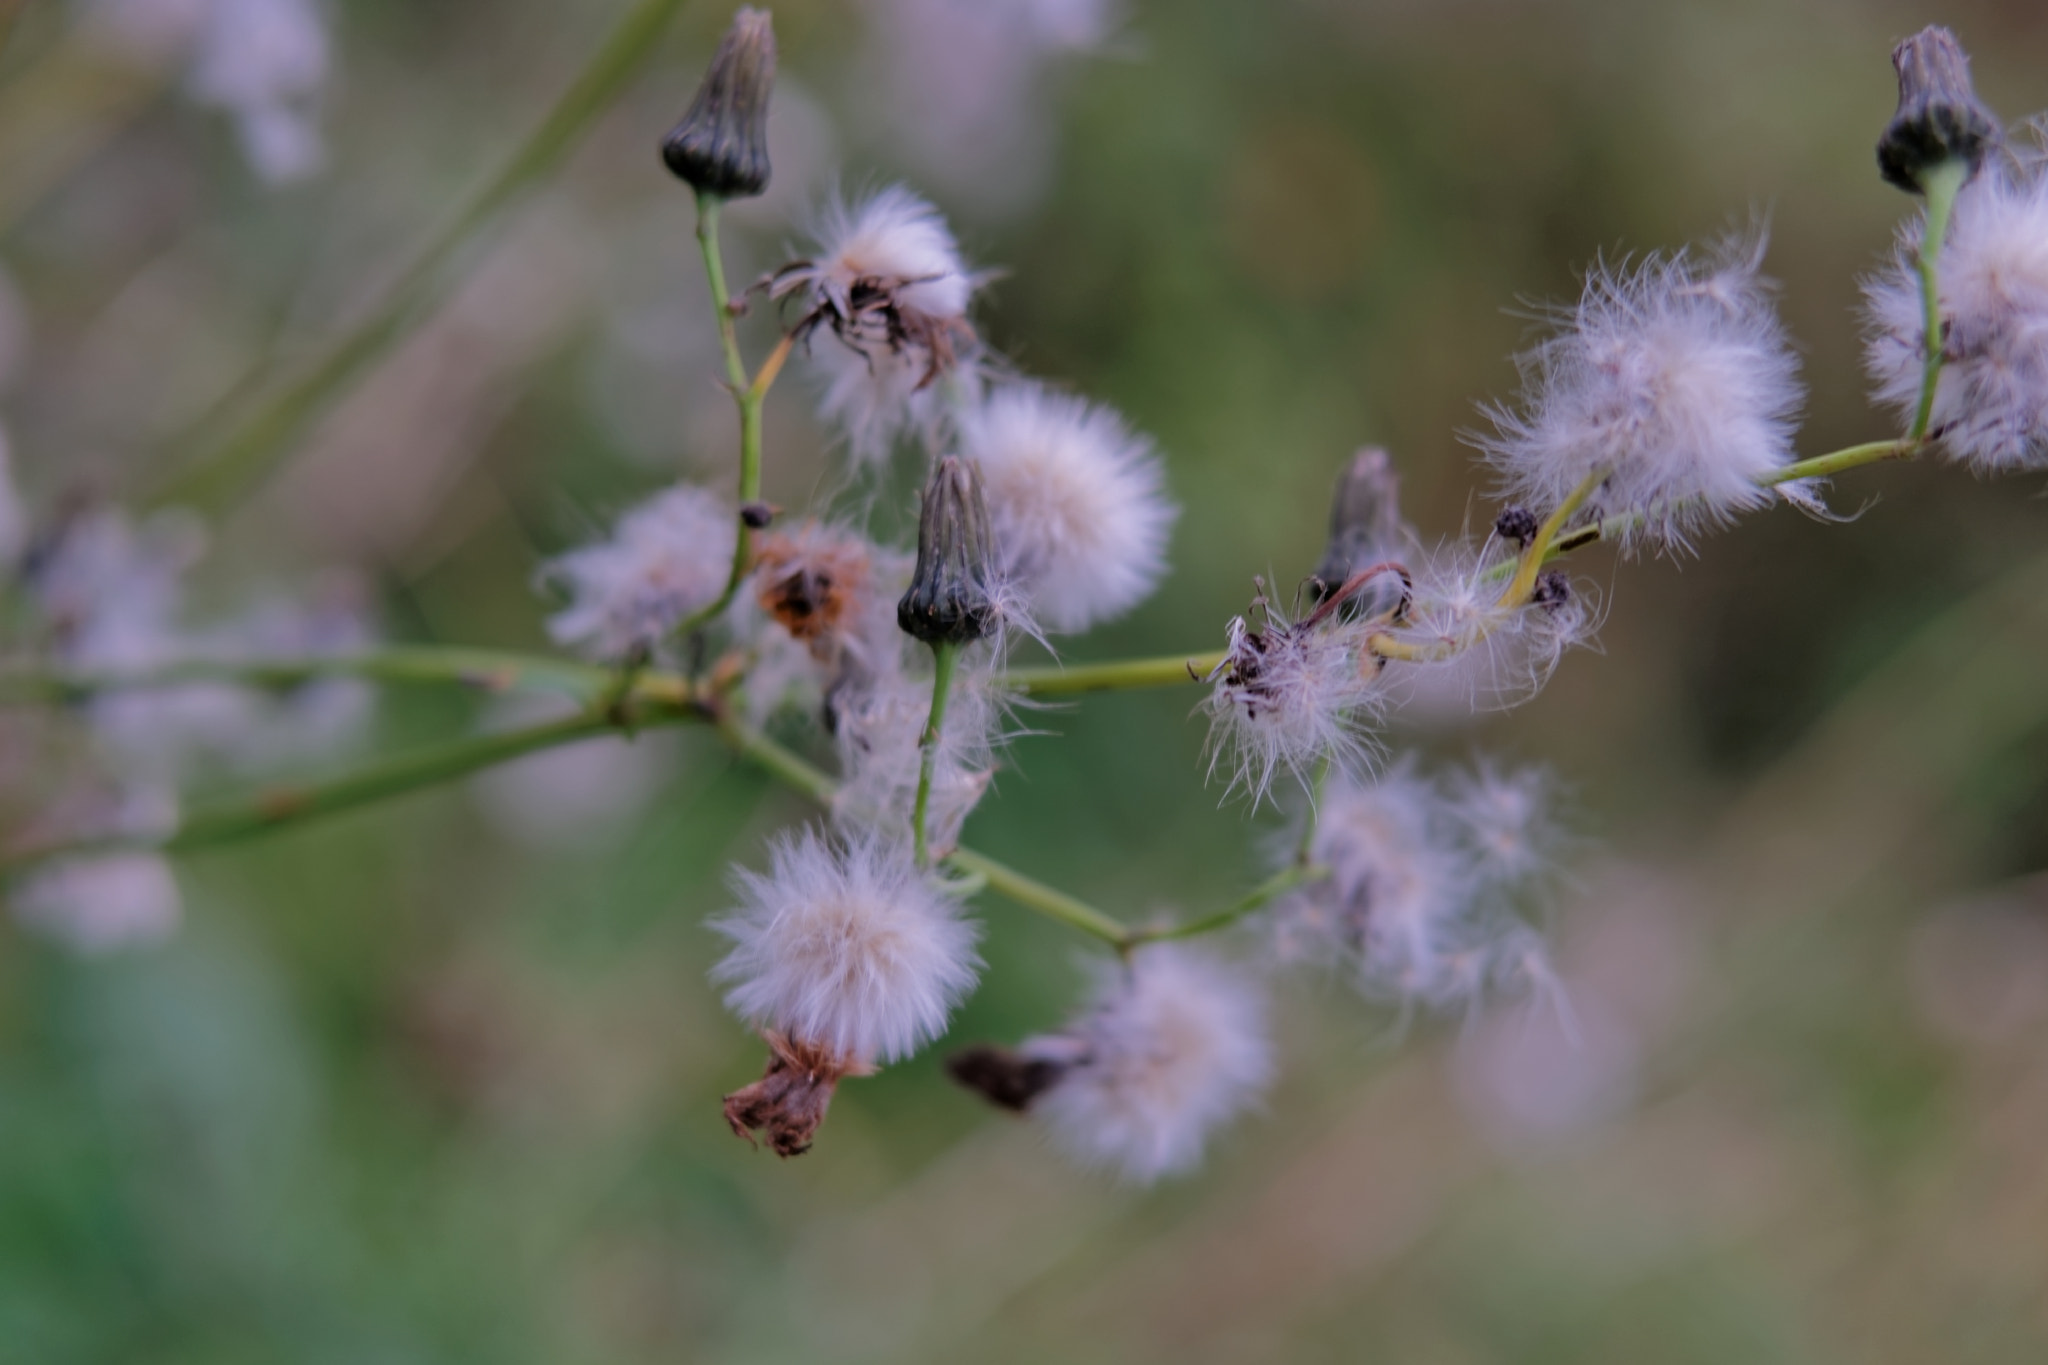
1365,518
950,601
1939,118
721,146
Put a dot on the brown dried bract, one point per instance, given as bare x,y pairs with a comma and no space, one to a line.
810,583
789,1101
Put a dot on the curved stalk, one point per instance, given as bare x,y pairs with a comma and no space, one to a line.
223,467
1942,184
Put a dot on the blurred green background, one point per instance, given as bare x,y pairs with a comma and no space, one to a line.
439,1082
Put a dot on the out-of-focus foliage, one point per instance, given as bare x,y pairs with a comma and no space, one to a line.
440,1081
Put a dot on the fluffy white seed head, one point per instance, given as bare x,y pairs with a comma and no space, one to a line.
101,903
1991,402
1674,378
668,557
889,286
1289,695
1417,906
1171,1047
1077,502
846,946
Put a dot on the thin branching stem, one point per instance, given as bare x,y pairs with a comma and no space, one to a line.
218,468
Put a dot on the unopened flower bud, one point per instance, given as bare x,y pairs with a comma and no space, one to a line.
1939,118
1365,518
950,601
721,146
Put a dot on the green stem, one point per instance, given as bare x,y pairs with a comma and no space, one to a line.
282,805
1115,676
246,453
1275,886
747,395
944,657
483,669
1036,895
1942,184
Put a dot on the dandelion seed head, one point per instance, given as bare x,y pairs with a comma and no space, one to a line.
1077,502
1674,377
846,946
1170,1048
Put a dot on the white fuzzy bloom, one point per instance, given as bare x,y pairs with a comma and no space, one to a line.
1674,379
889,285
878,728
111,593
846,947
667,558
264,62
101,902
1076,500
1171,1047
962,88
1289,694
1415,902
1991,402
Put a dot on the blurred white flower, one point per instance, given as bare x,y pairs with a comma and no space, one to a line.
1673,379
97,903
668,557
265,62
1418,904
1171,1046
1076,500
1991,402
961,88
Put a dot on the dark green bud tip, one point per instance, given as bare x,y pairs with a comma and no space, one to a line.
1365,518
950,601
721,146
1940,117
